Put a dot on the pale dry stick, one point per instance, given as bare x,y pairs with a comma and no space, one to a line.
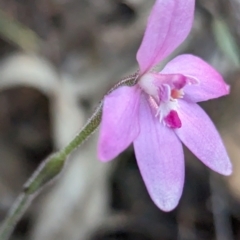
52,166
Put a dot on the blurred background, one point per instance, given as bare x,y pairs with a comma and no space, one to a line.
57,60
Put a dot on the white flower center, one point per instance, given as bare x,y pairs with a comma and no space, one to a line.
164,90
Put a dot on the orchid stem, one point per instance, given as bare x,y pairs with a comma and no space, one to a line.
89,128
14,215
46,172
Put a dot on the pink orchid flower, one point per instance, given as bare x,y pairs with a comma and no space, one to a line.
160,111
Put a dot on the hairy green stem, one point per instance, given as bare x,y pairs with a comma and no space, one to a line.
52,166
15,214
47,171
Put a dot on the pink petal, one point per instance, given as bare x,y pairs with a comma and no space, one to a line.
178,81
120,125
175,81
168,25
160,159
211,84
200,135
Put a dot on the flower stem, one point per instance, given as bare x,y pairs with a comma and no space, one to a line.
14,215
46,172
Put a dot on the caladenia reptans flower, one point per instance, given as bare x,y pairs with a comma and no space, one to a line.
159,112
